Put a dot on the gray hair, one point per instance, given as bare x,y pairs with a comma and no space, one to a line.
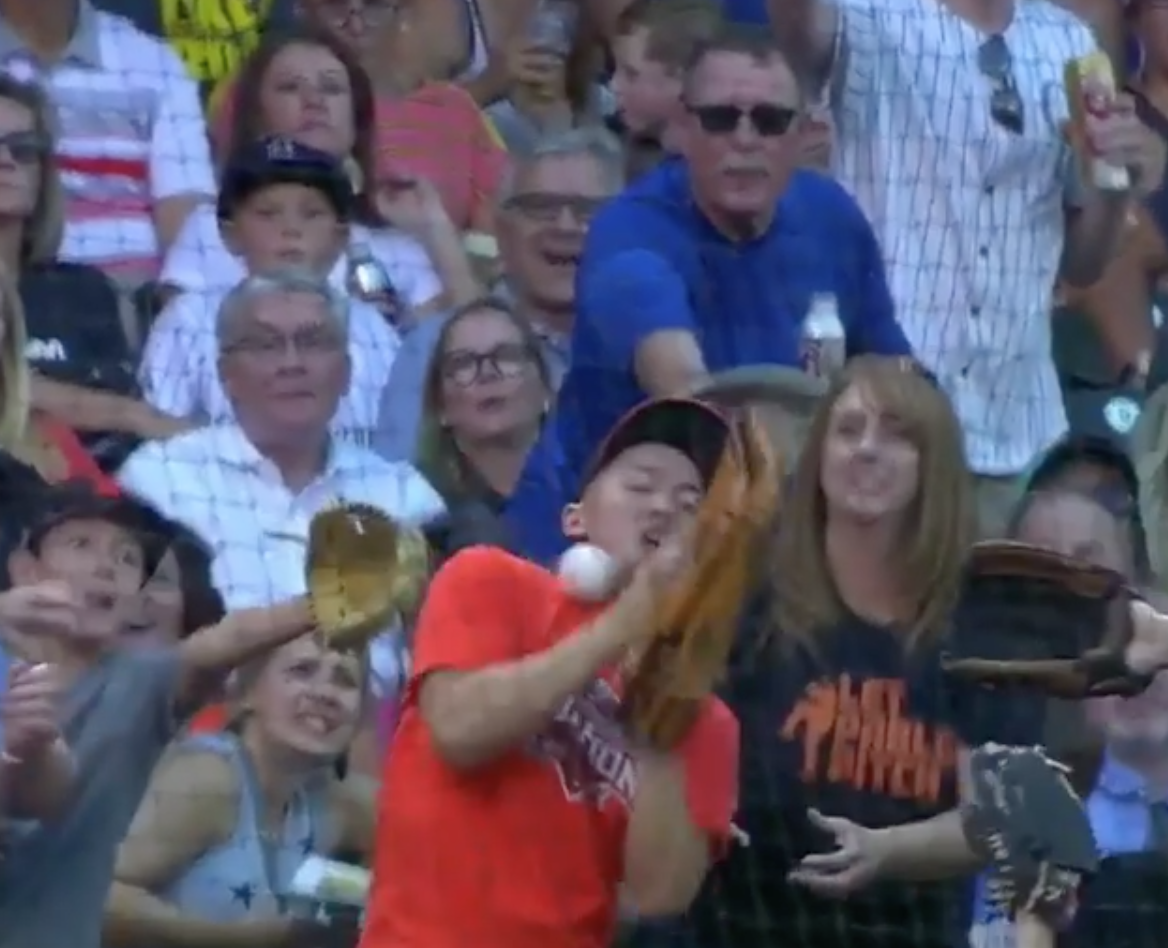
238,302
594,141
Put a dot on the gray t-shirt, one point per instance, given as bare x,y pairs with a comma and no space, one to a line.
55,877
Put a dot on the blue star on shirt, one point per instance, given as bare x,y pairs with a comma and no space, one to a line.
243,894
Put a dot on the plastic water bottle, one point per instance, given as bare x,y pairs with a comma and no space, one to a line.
553,26
369,281
823,346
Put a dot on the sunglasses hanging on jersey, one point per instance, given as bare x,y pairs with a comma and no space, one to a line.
768,121
996,64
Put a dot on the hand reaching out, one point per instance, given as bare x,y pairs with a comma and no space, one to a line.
854,863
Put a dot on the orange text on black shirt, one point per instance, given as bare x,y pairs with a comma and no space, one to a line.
858,733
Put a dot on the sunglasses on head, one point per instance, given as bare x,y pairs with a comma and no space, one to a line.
768,121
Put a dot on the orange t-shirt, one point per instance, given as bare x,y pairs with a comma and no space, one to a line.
528,850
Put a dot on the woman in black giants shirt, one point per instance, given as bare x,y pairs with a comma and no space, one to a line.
842,706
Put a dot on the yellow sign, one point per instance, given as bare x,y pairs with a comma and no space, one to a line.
213,36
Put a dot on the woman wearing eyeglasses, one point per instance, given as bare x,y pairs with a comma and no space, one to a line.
484,398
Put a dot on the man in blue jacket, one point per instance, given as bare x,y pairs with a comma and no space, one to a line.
709,262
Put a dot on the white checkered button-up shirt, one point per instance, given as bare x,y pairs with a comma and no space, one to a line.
218,483
970,215
179,371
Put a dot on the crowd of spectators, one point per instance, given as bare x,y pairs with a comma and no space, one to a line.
260,257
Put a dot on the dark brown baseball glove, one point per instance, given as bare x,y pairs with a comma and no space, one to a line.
1032,618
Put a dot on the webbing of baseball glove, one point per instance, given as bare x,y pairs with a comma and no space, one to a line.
696,620
1032,618
1020,814
363,571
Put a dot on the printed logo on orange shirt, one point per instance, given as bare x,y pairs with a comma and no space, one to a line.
858,734
589,750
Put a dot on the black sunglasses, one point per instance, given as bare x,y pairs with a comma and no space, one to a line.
26,148
996,64
768,121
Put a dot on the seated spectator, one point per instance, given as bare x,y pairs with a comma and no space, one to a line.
229,818
43,443
179,597
422,129
69,355
486,394
302,85
706,263
285,209
552,77
250,487
547,204
1118,748
133,142
654,41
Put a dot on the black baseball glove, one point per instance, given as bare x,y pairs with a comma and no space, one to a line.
1033,618
1020,814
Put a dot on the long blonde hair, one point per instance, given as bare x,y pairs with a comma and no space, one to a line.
941,518
15,376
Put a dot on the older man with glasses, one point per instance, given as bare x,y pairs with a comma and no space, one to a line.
716,259
545,207
950,130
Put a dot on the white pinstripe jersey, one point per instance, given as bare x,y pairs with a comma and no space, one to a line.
970,215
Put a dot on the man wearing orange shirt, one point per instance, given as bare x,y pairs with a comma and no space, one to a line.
514,810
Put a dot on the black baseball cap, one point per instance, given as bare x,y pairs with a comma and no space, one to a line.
279,160
75,500
1123,503
1106,452
696,429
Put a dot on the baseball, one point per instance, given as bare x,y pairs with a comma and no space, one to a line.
587,572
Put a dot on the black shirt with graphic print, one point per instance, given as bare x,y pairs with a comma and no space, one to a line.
859,730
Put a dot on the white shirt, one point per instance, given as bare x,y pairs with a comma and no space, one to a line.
969,215
179,372
216,482
132,132
198,260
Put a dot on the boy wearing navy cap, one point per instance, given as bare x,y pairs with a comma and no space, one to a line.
283,204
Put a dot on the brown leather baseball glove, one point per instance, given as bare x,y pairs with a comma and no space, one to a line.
363,571
1032,618
696,622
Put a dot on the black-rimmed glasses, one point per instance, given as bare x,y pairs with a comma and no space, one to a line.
464,367
768,121
997,65
547,207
